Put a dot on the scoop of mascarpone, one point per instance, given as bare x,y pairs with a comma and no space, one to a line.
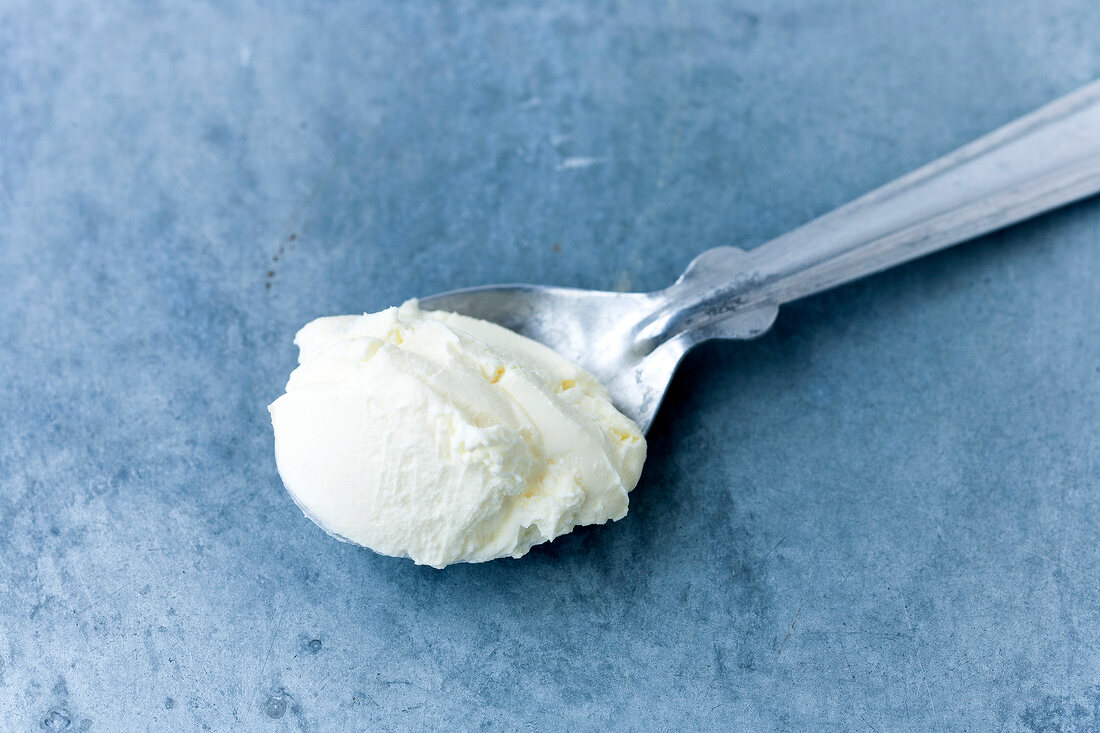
446,439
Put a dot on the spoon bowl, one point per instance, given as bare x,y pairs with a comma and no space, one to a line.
610,334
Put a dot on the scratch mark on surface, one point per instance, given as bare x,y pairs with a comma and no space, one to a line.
198,555
868,723
580,162
1055,564
95,603
920,662
83,586
788,636
860,633
270,649
283,612
529,103
151,651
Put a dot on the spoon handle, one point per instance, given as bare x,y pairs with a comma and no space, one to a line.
1041,161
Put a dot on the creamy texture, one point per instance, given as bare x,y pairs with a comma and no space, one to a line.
448,439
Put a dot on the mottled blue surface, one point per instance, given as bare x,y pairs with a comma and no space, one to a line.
883,515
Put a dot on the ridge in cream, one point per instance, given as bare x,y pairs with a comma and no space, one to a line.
447,439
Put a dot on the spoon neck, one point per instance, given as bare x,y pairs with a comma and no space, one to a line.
718,296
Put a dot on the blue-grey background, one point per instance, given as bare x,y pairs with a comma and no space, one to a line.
883,515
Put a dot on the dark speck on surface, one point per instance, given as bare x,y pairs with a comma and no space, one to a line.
56,720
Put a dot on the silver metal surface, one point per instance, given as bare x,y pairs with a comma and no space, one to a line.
633,342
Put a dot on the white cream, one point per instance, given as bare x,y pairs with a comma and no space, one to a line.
448,439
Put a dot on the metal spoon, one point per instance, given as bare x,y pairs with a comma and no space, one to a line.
632,342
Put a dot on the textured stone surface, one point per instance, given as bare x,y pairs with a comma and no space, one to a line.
882,515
